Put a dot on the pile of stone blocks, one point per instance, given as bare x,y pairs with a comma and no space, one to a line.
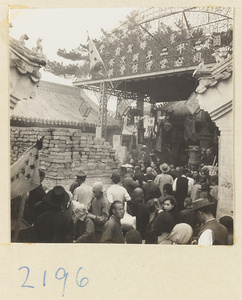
65,152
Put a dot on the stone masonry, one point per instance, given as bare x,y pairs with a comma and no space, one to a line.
65,152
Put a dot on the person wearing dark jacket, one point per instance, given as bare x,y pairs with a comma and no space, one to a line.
205,193
112,231
35,196
54,225
137,208
169,205
164,224
129,183
188,215
180,189
151,190
139,175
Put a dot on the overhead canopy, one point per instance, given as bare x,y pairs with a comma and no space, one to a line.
166,86
156,51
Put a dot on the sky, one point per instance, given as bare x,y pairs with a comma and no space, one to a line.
64,28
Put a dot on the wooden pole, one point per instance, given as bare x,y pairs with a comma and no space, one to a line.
20,215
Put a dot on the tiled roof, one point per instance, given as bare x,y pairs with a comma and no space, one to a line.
181,108
177,108
58,104
210,76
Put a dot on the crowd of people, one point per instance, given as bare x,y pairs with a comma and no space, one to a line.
160,204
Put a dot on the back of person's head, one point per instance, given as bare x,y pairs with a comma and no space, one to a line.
185,172
228,222
149,170
188,202
167,187
133,237
149,176
178,171
97,186
197,178
166,223
137,168
138,195
115,178
181,234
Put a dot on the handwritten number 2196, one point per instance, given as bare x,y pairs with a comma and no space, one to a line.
60,274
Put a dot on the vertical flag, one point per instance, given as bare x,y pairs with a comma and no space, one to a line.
96,62
25,171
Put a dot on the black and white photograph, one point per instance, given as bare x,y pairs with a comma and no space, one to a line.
121,128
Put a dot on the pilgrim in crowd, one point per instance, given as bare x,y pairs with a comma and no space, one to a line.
83,192
170,205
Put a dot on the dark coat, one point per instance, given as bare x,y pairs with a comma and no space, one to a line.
140,177
181,192
112,232
151,190
164,223
188,216
53,226
84,231
141,212
129,184
220,232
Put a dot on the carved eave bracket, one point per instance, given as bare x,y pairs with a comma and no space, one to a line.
24,71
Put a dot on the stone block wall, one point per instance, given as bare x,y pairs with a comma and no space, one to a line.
65,152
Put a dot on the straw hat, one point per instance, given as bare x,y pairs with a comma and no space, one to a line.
200,203
164,168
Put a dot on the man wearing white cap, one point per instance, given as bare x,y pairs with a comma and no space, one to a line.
79,178
98,209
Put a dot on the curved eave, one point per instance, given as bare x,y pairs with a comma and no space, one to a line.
58,123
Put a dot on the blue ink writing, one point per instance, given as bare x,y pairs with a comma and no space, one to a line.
84,278
60,274
23,285
44,278
65,274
